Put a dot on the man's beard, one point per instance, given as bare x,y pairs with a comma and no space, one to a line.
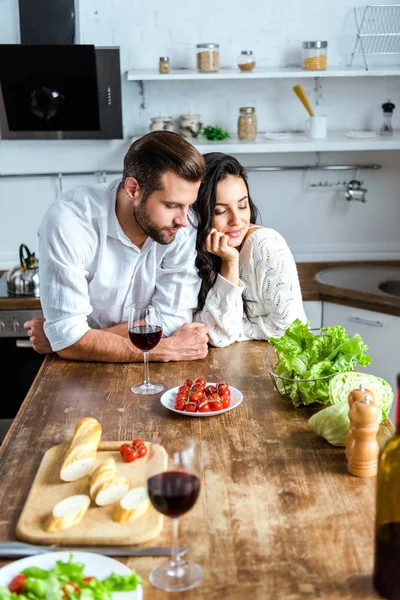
144,220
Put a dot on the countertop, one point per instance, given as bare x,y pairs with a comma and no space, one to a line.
278,514
311,290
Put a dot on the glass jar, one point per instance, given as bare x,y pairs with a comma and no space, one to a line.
314,56
247,123
208,57
164,66
246,60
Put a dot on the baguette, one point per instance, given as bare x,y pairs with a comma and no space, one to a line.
111,490
132,506
80,457
101,478
67,512
109,463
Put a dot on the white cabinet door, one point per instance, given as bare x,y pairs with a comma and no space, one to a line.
313,310
379,331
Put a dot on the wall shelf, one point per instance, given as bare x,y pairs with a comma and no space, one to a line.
299,142
261,73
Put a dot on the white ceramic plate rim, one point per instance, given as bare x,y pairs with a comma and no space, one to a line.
168,398
353,133
96,565
284,135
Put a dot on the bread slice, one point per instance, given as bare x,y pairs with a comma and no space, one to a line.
80,457
101,478
67,512
111,490
132,506
109,463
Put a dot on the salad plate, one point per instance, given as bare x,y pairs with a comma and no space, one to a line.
355,133
96,565
168,400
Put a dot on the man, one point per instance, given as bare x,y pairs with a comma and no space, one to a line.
104,247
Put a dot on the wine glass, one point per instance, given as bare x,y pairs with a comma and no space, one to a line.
145,331
173,492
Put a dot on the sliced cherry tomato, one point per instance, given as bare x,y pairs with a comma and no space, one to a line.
221,385
200,381
17,584
180,404
141,451
191,407
204,407
123,449
210,390
136,443
226,401
188,382
88,579
130,454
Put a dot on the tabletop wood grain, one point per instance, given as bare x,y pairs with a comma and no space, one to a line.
278,516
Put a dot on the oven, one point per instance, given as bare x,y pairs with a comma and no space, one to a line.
19,361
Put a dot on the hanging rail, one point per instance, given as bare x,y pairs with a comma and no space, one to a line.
105,172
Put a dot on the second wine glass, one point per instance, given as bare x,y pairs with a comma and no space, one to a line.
145,332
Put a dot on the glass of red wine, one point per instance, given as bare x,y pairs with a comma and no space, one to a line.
145,331
173,491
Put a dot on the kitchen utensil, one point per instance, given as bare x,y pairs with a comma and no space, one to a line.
168,400
20,549
95,566
300,93
354,191
98,527
316,127
23,280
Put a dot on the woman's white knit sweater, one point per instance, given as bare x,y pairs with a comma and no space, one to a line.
270,284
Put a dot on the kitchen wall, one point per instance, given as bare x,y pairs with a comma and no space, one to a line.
317,225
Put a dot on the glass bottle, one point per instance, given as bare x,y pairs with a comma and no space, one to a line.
387,128
246,60
386,578
164,66
247,123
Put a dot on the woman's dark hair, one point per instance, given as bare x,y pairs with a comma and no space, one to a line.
218,167
157,152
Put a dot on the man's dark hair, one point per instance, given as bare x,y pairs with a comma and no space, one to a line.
157,152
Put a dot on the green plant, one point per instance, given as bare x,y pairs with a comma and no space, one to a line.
214,133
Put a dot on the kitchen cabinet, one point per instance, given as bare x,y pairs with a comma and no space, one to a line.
379,331
313,310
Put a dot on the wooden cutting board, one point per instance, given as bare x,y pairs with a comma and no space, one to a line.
97,526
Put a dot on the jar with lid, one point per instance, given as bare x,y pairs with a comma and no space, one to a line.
246,60
190,125
164,65
208,57
314,55
247,123
161,123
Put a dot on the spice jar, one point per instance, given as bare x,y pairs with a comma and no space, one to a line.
161,123
190,125
208,57
247,123
246,60
314,56
164,66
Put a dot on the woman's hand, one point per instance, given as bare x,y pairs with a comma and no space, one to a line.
218,243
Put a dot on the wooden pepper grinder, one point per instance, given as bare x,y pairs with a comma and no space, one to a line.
363,449
357,394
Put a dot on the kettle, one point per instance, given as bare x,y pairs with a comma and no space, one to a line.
23,280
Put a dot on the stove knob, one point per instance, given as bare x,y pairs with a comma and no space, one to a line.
16,326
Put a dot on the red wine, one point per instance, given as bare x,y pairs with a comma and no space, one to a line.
387,561
145,337
174,492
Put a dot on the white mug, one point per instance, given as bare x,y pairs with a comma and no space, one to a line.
316,127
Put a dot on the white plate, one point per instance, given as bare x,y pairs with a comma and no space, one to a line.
284,135
353,133
96,565
168,400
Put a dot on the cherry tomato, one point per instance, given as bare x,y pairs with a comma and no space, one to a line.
191,407
123,449
200,381
180,404
204,407
196,396
138,442
225,392
221,385
184,389
17,584
188,382
180,397
215,405
226,401
141,451
130,454
88,579
210,390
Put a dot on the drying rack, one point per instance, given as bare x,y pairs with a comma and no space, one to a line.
378,30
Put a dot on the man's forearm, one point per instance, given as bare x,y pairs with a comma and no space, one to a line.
121,329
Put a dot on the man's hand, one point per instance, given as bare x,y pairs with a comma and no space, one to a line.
37,335
189,342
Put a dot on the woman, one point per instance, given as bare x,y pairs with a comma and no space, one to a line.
250,287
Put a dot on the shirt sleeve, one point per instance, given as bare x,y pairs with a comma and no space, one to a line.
66,244
279,285
223,312
178,283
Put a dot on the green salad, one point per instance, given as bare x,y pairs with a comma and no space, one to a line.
66,581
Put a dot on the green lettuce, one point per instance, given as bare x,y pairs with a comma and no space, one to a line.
332,423
342,384
305,357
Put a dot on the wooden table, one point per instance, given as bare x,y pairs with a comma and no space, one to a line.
278,516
